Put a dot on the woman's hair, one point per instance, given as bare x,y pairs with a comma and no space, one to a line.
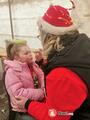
13,49
53,43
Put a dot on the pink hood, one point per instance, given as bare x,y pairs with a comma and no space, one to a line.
15,65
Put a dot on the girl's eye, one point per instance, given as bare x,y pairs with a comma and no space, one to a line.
28,52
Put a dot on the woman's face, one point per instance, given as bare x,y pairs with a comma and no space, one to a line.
42,37
25,55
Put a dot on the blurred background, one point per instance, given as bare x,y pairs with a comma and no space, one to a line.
18,20
24,15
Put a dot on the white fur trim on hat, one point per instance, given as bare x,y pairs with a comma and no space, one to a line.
48,28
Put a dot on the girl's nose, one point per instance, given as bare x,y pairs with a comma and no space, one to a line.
30,55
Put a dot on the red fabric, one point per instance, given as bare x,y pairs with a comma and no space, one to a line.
65,92
58,16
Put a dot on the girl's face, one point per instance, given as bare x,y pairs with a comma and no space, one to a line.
25,55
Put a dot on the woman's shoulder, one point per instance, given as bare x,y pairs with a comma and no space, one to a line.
61,71
66,75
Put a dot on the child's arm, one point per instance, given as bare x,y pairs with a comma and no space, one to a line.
15,87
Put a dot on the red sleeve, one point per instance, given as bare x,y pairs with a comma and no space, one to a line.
65,92
38,110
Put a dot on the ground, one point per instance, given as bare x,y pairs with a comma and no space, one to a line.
3,103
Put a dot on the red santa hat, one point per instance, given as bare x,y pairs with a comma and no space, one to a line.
57,20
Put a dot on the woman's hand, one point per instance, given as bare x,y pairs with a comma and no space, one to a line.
39,55
18,103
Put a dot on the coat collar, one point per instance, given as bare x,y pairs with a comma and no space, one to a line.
15,65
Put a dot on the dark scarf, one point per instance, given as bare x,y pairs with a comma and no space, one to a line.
75,54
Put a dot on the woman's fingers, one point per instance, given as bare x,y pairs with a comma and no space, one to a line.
19,110
13,105
18,97
13,109
14,100
18,102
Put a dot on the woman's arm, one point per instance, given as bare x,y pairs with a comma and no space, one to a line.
65,93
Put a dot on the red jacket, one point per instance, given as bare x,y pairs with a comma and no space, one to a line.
65,93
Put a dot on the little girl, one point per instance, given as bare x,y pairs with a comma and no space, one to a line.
21,70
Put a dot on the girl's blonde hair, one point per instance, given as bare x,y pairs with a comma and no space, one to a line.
52,42
13,49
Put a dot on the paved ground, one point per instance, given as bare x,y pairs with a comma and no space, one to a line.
3,98
3,103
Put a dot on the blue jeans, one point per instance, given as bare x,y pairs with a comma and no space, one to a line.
23,116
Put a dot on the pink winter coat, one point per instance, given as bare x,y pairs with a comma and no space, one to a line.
19,81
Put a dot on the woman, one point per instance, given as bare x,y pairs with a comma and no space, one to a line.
67,70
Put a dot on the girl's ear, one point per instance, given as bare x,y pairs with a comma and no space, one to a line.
16,56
